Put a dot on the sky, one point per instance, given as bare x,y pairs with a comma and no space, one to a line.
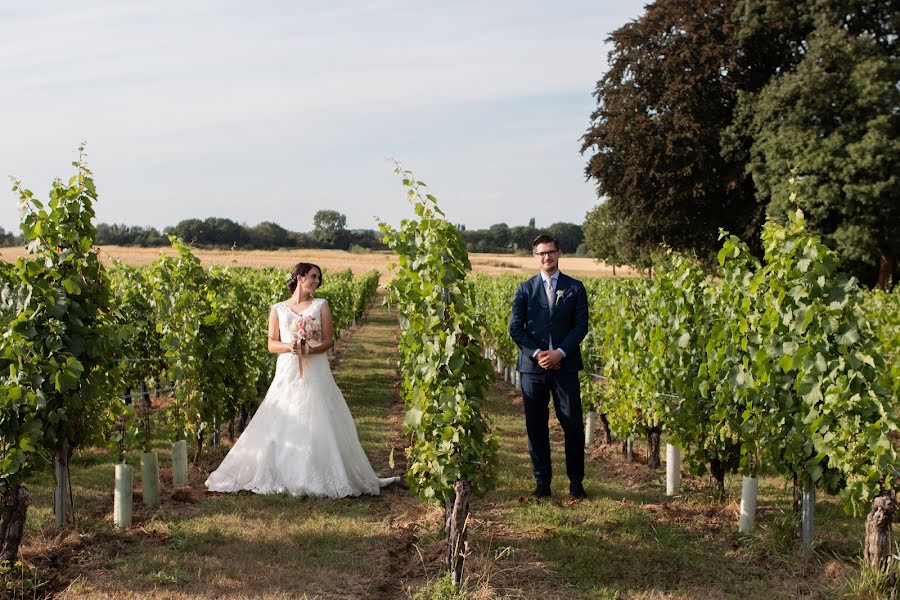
273,109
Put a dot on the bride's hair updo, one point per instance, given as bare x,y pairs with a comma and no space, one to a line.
300,270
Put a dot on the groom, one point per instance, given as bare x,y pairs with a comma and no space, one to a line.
549,320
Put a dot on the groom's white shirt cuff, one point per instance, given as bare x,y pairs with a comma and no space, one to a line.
561,351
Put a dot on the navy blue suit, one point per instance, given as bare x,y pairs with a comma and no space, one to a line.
532,325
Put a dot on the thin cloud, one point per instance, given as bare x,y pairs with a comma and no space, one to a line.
271,110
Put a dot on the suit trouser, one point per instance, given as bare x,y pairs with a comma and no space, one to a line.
566,391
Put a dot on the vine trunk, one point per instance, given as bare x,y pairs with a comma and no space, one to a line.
877,549
654,457
12,522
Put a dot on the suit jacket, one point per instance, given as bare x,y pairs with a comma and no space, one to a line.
532,324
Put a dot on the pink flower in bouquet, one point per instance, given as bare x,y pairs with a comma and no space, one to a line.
308,328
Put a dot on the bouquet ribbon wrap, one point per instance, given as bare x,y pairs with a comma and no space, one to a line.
309,330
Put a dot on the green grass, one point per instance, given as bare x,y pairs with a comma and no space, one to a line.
241,545
626,541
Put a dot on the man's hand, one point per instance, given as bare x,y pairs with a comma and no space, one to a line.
549,359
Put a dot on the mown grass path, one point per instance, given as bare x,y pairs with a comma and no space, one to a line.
629,541
626,541
202,545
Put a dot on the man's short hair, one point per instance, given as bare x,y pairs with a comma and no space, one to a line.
545,238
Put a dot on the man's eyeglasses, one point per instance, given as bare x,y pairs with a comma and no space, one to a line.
547,253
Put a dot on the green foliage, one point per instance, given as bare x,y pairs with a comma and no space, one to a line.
19,580
654,139
348,296
444,373
834,418
441,588
569,236
708,107
179,292
493,297
831,118
608,240
330,228
61,340
123,431
883,311
772,366
212,329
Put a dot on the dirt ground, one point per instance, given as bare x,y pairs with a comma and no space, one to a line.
493,264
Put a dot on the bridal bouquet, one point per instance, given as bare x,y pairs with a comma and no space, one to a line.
308,329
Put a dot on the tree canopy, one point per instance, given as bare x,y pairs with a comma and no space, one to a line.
330,229
654,140
710,108
829,127
608,239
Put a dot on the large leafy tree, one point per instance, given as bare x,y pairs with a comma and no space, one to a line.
269,235
330,228
831,119
607,238
569,235
654,142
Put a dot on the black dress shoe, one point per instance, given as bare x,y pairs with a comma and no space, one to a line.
541,491
576,492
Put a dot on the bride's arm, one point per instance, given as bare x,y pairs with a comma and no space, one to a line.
327,331
276,346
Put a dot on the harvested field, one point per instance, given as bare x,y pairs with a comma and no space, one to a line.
493,264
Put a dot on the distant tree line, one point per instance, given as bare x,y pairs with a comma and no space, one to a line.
713,113
216,232
329,231
8,238
501,238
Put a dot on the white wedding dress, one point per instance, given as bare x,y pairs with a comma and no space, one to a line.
302,439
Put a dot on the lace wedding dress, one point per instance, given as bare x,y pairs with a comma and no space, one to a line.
302,439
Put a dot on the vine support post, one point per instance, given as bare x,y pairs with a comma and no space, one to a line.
124,495
807,517
748,504
60,495
150,478
589,426
673,470
179,462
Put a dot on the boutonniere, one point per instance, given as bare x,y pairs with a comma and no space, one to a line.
559,295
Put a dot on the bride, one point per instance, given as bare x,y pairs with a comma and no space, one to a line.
302,439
